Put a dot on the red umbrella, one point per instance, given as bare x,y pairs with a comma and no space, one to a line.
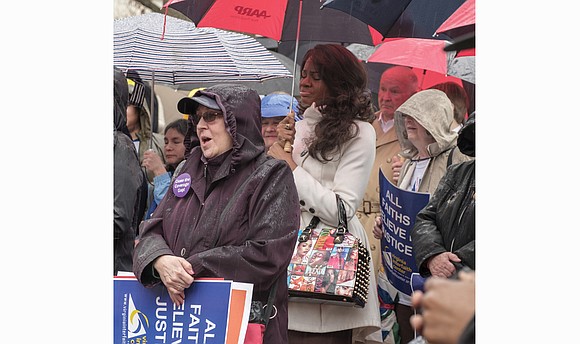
283,20
460,22
425,54
278,19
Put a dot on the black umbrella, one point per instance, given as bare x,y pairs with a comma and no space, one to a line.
399,18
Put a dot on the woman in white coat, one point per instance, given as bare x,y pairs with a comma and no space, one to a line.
333,153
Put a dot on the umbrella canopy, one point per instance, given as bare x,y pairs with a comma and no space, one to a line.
286,21
262,87
399,18
426,77
374,70
278,19
461,22
188,55
425,54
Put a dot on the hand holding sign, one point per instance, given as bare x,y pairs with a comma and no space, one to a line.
176,273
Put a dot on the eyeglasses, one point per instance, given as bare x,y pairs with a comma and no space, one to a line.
208,116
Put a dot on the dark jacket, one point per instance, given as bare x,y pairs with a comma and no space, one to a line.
127,181
447,223
241,225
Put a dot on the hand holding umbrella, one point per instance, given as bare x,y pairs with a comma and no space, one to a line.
289,126
286,133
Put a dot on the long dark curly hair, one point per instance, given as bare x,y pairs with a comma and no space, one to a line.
348,99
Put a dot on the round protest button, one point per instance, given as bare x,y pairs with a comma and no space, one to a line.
181,185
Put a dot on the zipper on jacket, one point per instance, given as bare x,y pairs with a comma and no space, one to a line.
469,197
469,200
201,206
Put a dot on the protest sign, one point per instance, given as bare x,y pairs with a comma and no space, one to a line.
398,211
214,311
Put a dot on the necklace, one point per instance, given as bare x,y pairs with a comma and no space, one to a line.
421,159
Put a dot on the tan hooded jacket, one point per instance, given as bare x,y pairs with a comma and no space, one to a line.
434,111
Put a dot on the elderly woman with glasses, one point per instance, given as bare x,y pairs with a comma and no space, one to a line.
232,211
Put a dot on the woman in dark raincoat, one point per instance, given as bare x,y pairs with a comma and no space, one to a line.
128,190
238,216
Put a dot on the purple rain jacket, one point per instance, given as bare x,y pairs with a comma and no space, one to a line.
242,224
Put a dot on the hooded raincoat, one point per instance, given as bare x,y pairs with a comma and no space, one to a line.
127,181
240,221
434,111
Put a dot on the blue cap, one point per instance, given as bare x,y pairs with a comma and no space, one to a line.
276,105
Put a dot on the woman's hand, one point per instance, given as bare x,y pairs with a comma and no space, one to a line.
176,273
153,163
277,151
286,130
377,228
396,164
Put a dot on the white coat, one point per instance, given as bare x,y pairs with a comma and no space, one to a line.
317,183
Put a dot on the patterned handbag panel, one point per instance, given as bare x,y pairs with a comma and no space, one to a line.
321,266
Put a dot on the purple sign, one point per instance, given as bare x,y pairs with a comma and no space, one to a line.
181,185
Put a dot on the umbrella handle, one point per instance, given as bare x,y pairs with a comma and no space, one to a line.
288,144
288,147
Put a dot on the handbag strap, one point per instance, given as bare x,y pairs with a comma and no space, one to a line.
270,304
305,235
342,227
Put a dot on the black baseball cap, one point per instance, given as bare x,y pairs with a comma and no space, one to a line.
188,105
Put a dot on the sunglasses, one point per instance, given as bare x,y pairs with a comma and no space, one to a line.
208,116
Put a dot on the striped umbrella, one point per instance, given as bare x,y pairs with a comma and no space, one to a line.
184,54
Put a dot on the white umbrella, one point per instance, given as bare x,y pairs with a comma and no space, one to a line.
157,48
188,55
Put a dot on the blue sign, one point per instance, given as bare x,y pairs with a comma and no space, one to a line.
398,210
147,315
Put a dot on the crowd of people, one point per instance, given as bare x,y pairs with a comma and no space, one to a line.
257,169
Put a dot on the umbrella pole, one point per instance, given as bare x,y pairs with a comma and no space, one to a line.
288,144
151,108
296,46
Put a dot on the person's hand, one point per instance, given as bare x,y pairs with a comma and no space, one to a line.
152,161
277,151
286,130
447,306
377,228
396,164
441,265
176,273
